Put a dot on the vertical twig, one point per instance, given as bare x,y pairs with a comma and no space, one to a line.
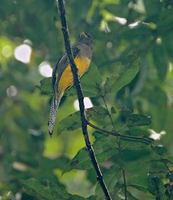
119,146
155,181
80,96
125,184
109,114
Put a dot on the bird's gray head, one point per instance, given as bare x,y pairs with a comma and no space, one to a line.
85,38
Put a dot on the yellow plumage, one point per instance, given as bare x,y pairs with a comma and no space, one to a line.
66,79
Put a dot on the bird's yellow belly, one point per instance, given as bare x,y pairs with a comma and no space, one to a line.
66,79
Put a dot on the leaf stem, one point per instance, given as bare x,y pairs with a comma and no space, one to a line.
117,134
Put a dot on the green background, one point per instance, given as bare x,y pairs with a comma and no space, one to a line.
130,84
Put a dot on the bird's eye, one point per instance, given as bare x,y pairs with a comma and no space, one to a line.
87,35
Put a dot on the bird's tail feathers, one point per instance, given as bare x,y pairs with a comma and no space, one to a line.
52,115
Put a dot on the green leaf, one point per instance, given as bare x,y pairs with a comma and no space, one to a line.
70,123
45,86
82,159
47,190
157,166
160,149
155,185
138,187
153,7
94,112
104,148
131,196
129,155
160,61
115,82
138,120
91,82
157,96
111,177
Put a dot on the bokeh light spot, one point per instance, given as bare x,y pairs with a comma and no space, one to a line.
155,135
87,102
45,69
22,53
11,91
7,51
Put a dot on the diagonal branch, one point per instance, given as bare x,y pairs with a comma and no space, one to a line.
80,96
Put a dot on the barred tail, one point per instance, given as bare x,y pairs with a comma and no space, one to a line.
52,115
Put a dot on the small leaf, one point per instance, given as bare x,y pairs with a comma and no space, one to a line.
130,196
160,149
158,166
156,186
113,110
160,61
138,120
94,112
45,86
138,187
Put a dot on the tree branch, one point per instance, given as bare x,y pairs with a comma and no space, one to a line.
80,96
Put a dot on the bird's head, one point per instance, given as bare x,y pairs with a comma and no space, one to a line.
85,38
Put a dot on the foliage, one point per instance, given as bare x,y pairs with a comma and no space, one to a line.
129,83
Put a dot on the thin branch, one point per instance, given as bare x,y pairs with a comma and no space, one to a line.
125,184
109,114
80,96
158,197
125,137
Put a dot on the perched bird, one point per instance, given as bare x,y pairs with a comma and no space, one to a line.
62,77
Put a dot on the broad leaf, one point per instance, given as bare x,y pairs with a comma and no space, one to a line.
47,190
70,123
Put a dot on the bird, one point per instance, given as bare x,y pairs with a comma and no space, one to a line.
62,77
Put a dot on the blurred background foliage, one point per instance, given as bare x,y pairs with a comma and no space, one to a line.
129,88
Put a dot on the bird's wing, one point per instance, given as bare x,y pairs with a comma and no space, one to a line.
60,67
